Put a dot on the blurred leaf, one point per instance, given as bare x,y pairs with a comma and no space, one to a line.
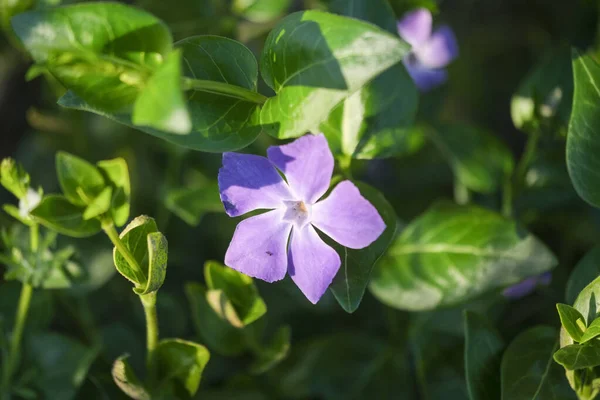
190,204
586,270
483,351
14,177
275,352
57,213
219,123
117,173
127,381
218,334
350,283
103,52
61,363
183,362
80,181
260,11
99,205
232,295
591,332
336,56
41,310
579,356
97,269
479,160
10,8
452,254
161,104
572,321
583,140
528,371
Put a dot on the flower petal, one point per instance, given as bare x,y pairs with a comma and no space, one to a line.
248,182
415,27
425,78
258,246
439,50
307,164
527,286
312,263
347,217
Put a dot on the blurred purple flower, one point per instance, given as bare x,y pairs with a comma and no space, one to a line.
527,286
259,246
431,52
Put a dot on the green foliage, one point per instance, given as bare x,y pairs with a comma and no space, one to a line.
452,254
572,321
585,272
14,178
79,180
125,378
579,356
191,204
117,174
59,214
260,10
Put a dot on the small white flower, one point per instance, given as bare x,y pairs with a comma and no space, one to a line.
29,202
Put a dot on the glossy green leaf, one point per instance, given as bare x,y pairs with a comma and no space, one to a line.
579,356
80,181
528,371
149,247
483,351
117,173
351,281
14,177
583,140
127,381
260,10
479,160
190,204
104,52
219,123
452,254
274,352
591,332
586,270
183,362
219,335
99,205
57,213
333,57
161,104
233,295
572,321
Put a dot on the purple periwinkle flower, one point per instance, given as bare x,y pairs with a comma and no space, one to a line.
431,52
284,239
527,286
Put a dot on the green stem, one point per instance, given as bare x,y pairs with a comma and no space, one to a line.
345,163
528,154
223,89
149,303
461,193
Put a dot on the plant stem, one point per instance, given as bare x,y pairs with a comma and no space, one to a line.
223,89
530,149
149,303
461,193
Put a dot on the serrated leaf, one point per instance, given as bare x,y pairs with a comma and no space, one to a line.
80,181
117,173
451,254
572,321
579,356
528,371
181,361
483,351
334,57
57,213
190,204
351,281
127,381
99,205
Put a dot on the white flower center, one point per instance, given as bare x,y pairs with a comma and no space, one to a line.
297,212
29,202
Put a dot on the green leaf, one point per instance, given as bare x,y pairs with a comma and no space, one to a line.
57,213
483,351
528,371
579,356
591,332
334,57
219,123
116,172
572,321
583,140
452,254
161,103
149,247
375,121
479,160
190,204
233,295
80,181
127,381
350,283
99,205
586,270
14,177
274,352
14,212
183,362
103,52
219,335
260,11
